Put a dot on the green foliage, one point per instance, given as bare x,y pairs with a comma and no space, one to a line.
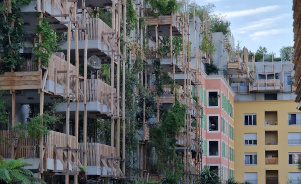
209,177
219,24
13,172
259,53
4,118
199,10
105,73
163,138
207,45
12,36
157,71
287,53
37,126
212,69
164,7
99,129
145,182
171,178
48,44
131,16
82,168
105,16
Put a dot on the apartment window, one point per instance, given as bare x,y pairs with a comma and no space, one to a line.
250,119
213,168
250,158
213,148
294,177
287,80
213,123
250,139
294,138
293,158
251,178
270,96
213,99
294,119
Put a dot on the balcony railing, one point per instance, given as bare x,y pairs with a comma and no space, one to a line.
271,122
294,141
271,142
182,139
271,161
266,84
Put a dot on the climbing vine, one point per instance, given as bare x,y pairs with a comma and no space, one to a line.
12,37
131,16
48,45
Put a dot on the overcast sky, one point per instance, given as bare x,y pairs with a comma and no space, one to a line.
257,23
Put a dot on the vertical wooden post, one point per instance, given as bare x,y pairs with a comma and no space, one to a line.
118,90
13,122
123,88
76,99
85,97
112,75
68,100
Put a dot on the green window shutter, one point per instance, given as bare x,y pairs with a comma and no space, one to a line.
222,124
223,149
205,147
233,155
205,100
205,122
233,134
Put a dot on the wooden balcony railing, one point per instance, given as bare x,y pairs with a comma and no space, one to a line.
97,30
97,90
266,84
101,155
26,147
182,139
271,161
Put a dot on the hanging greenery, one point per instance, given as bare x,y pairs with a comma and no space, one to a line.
157,71
4,118
105,16
12,36
48,44
163,138
131,17
207,45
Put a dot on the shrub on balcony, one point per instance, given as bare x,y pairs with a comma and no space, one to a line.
163,7
212,69
207,45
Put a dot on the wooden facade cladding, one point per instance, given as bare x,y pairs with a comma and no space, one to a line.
160,20
20,80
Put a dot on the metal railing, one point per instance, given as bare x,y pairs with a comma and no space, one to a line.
271,122
271,142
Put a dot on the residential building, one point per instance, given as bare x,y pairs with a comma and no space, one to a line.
267,122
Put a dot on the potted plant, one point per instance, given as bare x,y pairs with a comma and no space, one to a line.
82,175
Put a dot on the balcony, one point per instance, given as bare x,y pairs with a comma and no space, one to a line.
236,66
271,138
100,42
55,144
182,140
52,79
271,118
262,85
164,22
271,157
102,160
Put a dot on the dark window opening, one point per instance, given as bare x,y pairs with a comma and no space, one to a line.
213,123
213,168
213,99
213,148
270,96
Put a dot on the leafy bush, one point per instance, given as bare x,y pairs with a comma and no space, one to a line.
219,24
12,171
164,7
48,44
211,69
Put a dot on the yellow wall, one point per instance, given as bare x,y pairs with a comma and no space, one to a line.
259,108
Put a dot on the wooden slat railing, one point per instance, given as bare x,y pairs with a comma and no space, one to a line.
26,147
271,161
97,30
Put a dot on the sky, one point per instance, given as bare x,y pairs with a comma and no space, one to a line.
255,23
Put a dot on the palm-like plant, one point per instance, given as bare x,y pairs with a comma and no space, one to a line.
209,177
13,171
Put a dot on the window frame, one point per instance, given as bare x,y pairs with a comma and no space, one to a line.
218,148
218,98
252,140
218,123
294,153
252,115
253,156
